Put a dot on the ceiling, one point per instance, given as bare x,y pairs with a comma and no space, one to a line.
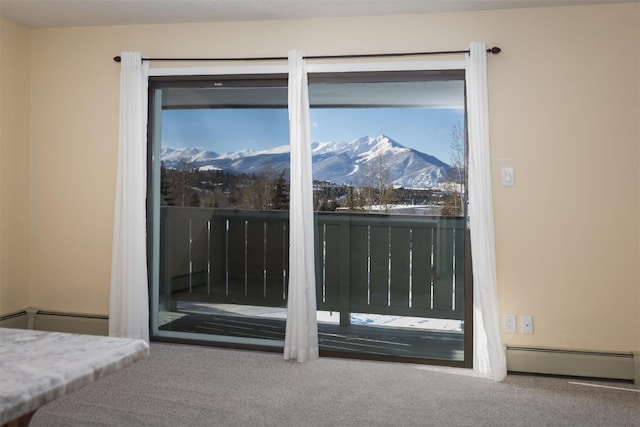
80,13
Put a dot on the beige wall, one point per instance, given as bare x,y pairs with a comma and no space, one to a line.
564,105
14,168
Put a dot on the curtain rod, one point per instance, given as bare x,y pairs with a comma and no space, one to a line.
493,50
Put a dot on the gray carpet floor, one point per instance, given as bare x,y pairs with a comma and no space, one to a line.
180,385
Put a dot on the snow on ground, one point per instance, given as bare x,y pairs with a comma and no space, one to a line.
325,316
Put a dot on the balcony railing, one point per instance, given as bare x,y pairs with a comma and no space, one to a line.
365,263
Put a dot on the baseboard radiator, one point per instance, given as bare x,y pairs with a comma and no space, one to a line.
575,363
589,364
32,318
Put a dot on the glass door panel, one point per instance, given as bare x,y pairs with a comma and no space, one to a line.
389,190
219,204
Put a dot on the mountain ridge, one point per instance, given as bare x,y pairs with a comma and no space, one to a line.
363,161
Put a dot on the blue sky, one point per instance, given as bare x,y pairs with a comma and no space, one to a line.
224,130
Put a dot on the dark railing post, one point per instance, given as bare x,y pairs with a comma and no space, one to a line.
167,300
345,273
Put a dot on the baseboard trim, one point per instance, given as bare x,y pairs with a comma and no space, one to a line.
52,321
575,363
9,316
18,320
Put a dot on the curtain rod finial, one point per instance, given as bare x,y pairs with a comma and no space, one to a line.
117,58
494,50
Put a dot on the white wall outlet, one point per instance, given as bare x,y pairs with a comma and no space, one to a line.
526,324
509,323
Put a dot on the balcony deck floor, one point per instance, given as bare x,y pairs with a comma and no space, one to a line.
358,339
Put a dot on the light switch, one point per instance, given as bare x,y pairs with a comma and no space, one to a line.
508,177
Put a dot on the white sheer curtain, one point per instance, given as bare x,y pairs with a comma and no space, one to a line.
488,358
301,335
129,301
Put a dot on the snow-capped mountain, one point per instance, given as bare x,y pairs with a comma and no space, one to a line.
173,156
366,160
363,161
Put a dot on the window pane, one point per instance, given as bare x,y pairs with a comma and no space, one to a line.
389,146
226,158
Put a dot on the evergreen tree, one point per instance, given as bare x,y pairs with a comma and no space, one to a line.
165,187
194,200
280,199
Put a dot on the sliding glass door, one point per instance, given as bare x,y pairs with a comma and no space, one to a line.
219,204
389,188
